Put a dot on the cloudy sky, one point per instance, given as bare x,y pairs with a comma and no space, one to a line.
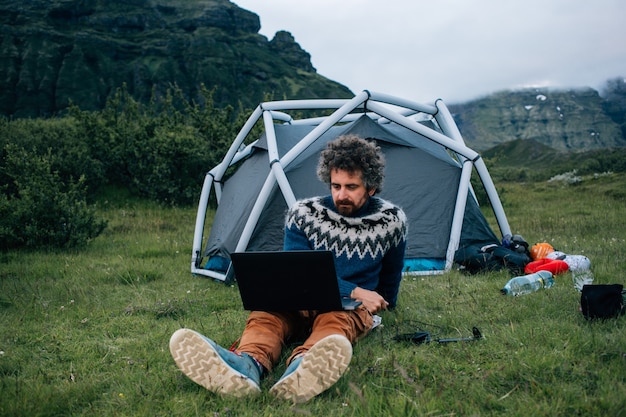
455,50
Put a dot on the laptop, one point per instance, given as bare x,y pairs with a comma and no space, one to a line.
288,281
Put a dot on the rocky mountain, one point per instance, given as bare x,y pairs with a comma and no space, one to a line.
57,51
565,120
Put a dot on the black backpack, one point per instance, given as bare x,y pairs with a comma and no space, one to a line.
602,301
476,259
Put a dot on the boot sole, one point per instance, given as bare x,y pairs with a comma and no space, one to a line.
320,368
201,363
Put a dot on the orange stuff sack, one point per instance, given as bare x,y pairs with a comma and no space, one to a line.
540,250
556,266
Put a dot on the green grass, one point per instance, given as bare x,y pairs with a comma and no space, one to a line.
86,333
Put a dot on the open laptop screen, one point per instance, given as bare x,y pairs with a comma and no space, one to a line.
288,280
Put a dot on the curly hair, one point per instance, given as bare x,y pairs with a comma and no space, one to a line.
352,153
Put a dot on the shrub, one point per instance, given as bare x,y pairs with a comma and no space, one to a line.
171,166
38,208
162,150
68,151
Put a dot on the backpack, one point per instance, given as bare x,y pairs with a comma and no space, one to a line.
475,258
602,301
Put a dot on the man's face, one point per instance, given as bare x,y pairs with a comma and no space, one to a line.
348,191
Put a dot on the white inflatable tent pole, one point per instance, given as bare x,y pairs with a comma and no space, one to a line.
255,213
236,145
459,213
274,159
200,218
400,102
346,107
492,194
214,177
428,133
449,128
461,199
445,120
459,148
304,104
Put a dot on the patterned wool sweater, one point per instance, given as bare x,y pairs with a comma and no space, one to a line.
368,247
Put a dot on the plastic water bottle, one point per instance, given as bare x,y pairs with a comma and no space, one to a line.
526,284
582,277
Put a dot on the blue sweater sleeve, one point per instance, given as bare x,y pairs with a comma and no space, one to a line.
346,287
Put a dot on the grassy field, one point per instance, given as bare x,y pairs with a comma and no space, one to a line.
86,333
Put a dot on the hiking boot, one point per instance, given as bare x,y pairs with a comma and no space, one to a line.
315,371
215,368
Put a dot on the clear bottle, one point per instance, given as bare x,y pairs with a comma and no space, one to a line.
526,284
582,277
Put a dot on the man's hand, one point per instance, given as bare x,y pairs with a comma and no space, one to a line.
371,300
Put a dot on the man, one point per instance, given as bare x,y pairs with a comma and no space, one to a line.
367,236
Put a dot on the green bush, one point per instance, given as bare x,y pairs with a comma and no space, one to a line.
38,208
50,168
159,151
169,166
162,150
68,151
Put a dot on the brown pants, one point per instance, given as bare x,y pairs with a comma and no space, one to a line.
266,333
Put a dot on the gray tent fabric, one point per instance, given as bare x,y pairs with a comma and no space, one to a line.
428,174
420,176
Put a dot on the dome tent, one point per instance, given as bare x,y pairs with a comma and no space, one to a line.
427,173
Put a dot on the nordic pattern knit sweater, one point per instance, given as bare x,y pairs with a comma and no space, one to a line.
368,247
